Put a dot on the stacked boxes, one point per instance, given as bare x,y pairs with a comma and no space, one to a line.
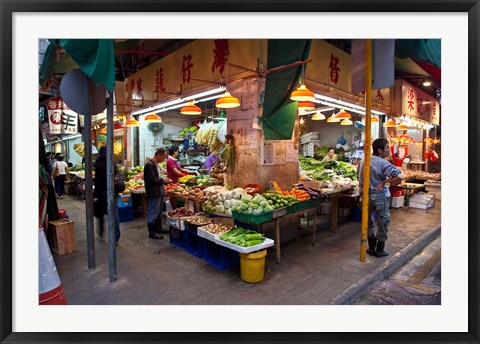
63,236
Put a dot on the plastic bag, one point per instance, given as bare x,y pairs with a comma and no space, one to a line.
168,205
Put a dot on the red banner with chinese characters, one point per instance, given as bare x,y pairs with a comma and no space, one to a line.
414,102
61,119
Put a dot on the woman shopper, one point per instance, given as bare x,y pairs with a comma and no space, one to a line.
100,207
62,168
174,170
381,172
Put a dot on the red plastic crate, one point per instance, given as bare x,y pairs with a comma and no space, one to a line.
62,213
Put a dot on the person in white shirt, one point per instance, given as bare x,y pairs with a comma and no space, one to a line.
62,168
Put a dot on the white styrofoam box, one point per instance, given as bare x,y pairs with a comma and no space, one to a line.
397,202
314,135
422,201
265,244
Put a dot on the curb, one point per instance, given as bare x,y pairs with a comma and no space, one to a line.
347,296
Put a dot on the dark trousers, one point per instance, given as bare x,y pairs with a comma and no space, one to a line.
60,184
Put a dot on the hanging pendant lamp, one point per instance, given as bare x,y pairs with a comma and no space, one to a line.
346,122
343,115
132,123
318,116
333,119
305,105
428,140
302,94
153,118
401,127
191,109
227,101
390,124
374,120
435,140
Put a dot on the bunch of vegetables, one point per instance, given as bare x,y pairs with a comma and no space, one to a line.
199,220
203,180
185,179
216,228
192,129
222,201
279,200
242,237
172,186
180,212
207,134
325,171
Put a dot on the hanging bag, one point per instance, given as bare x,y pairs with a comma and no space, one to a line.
119,183
55,172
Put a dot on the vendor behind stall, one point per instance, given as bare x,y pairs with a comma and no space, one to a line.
174,170
330,156
210,160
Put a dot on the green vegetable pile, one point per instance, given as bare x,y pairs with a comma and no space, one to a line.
242,237
324,171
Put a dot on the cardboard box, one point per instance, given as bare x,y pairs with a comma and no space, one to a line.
63,236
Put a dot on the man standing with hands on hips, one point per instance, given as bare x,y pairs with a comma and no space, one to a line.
381,172
154,186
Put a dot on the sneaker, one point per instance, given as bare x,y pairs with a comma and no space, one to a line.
61,197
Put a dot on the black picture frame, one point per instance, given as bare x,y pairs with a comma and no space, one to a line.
9,7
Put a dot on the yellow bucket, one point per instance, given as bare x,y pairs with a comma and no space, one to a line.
252,266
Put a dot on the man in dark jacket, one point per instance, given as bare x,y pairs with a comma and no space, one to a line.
155,193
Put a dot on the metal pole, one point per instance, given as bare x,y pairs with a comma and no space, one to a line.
88,177
111,205
367,147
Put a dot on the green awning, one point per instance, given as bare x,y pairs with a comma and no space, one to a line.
279,112
95,57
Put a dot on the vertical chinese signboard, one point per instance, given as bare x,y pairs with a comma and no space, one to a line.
61,119
414,102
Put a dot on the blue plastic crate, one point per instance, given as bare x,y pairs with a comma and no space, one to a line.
177,237
125,214
220,257
357,214
193,243
125,201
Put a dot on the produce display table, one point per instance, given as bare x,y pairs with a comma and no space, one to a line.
410,188
282,218
143,200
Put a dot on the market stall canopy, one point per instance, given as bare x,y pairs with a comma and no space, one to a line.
95,57
279,112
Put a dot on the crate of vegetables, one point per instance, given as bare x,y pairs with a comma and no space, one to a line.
213,230
176,217
193,222
243,240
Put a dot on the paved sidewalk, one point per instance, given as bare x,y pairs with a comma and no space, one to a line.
154,272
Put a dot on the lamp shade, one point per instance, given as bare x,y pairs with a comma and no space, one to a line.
390,124
103,130
401,127
191,109
132,123
227,101
346,122
302,94
428,140
153,118
343,115
374,120
435,140
318,116
333,119
305,105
